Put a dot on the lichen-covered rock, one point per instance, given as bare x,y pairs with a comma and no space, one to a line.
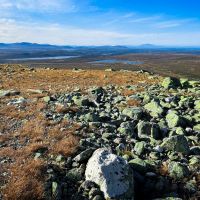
112,173
174,120
178,170
133,112
170,82
126,128
197,128
80,101
147,129
154,108
197,104
176,143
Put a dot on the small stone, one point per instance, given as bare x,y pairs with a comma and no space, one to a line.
35,91
126,128
139,165
47,99
196,128
98,197
94,192
75,174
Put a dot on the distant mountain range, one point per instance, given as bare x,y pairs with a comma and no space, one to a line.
28,45
49,46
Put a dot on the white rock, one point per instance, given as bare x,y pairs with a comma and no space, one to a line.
112,173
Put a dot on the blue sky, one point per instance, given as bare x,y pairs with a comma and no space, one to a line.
101,22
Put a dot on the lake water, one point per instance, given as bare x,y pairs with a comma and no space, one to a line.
45,58
112,61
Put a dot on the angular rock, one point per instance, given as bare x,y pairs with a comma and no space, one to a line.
111,173
126,128
85,155
197,128
176,143
178,170
80,101
133,112
154,108
174,120
170,82
146,129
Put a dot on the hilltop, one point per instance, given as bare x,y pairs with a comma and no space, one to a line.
98,134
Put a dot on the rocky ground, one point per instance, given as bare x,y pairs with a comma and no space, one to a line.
75,134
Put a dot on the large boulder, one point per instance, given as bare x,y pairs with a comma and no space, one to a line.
112,173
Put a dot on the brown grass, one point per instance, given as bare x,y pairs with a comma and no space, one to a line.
28,127
27,181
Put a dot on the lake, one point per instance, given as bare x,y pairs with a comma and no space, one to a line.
45,58
113,61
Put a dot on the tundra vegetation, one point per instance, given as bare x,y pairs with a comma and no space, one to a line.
98,134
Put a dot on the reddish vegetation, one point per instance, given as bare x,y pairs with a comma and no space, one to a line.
25,130
26,181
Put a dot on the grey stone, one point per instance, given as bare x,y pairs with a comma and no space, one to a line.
84,156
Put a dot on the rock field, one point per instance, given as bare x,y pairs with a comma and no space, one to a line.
75,134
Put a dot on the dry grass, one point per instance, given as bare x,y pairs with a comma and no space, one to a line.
27,181
25,129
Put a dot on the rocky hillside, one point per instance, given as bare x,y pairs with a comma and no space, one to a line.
78,135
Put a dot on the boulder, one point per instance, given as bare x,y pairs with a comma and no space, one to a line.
176,143
170,82
147,129
178,170
126,128
112,173
174,120
133,112
154,108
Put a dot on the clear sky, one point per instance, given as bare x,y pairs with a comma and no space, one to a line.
101,22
